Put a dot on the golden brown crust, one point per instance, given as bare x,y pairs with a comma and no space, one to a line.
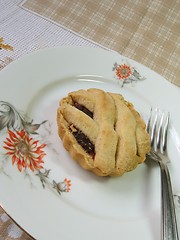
116,131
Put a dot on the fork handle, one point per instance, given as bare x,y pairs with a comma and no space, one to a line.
169,227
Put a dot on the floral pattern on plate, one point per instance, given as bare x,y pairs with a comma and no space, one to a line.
126,74
25,151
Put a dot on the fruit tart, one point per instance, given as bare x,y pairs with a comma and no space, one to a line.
102,131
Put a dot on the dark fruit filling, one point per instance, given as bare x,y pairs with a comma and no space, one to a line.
83,140
83,109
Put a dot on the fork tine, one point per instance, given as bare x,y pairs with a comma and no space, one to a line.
154,119
158,139
164,134
149,121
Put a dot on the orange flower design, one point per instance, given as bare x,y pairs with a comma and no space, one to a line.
62,186
123,71
68,184
25,152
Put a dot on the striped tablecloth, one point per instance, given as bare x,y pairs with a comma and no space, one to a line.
144,30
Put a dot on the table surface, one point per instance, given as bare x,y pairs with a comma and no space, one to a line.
141,34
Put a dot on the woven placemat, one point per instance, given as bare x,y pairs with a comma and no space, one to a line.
144,30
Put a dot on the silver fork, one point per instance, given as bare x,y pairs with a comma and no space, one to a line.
157,127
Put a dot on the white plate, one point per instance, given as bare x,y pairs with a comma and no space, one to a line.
95,207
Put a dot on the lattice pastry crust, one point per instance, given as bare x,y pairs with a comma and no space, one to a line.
102,132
